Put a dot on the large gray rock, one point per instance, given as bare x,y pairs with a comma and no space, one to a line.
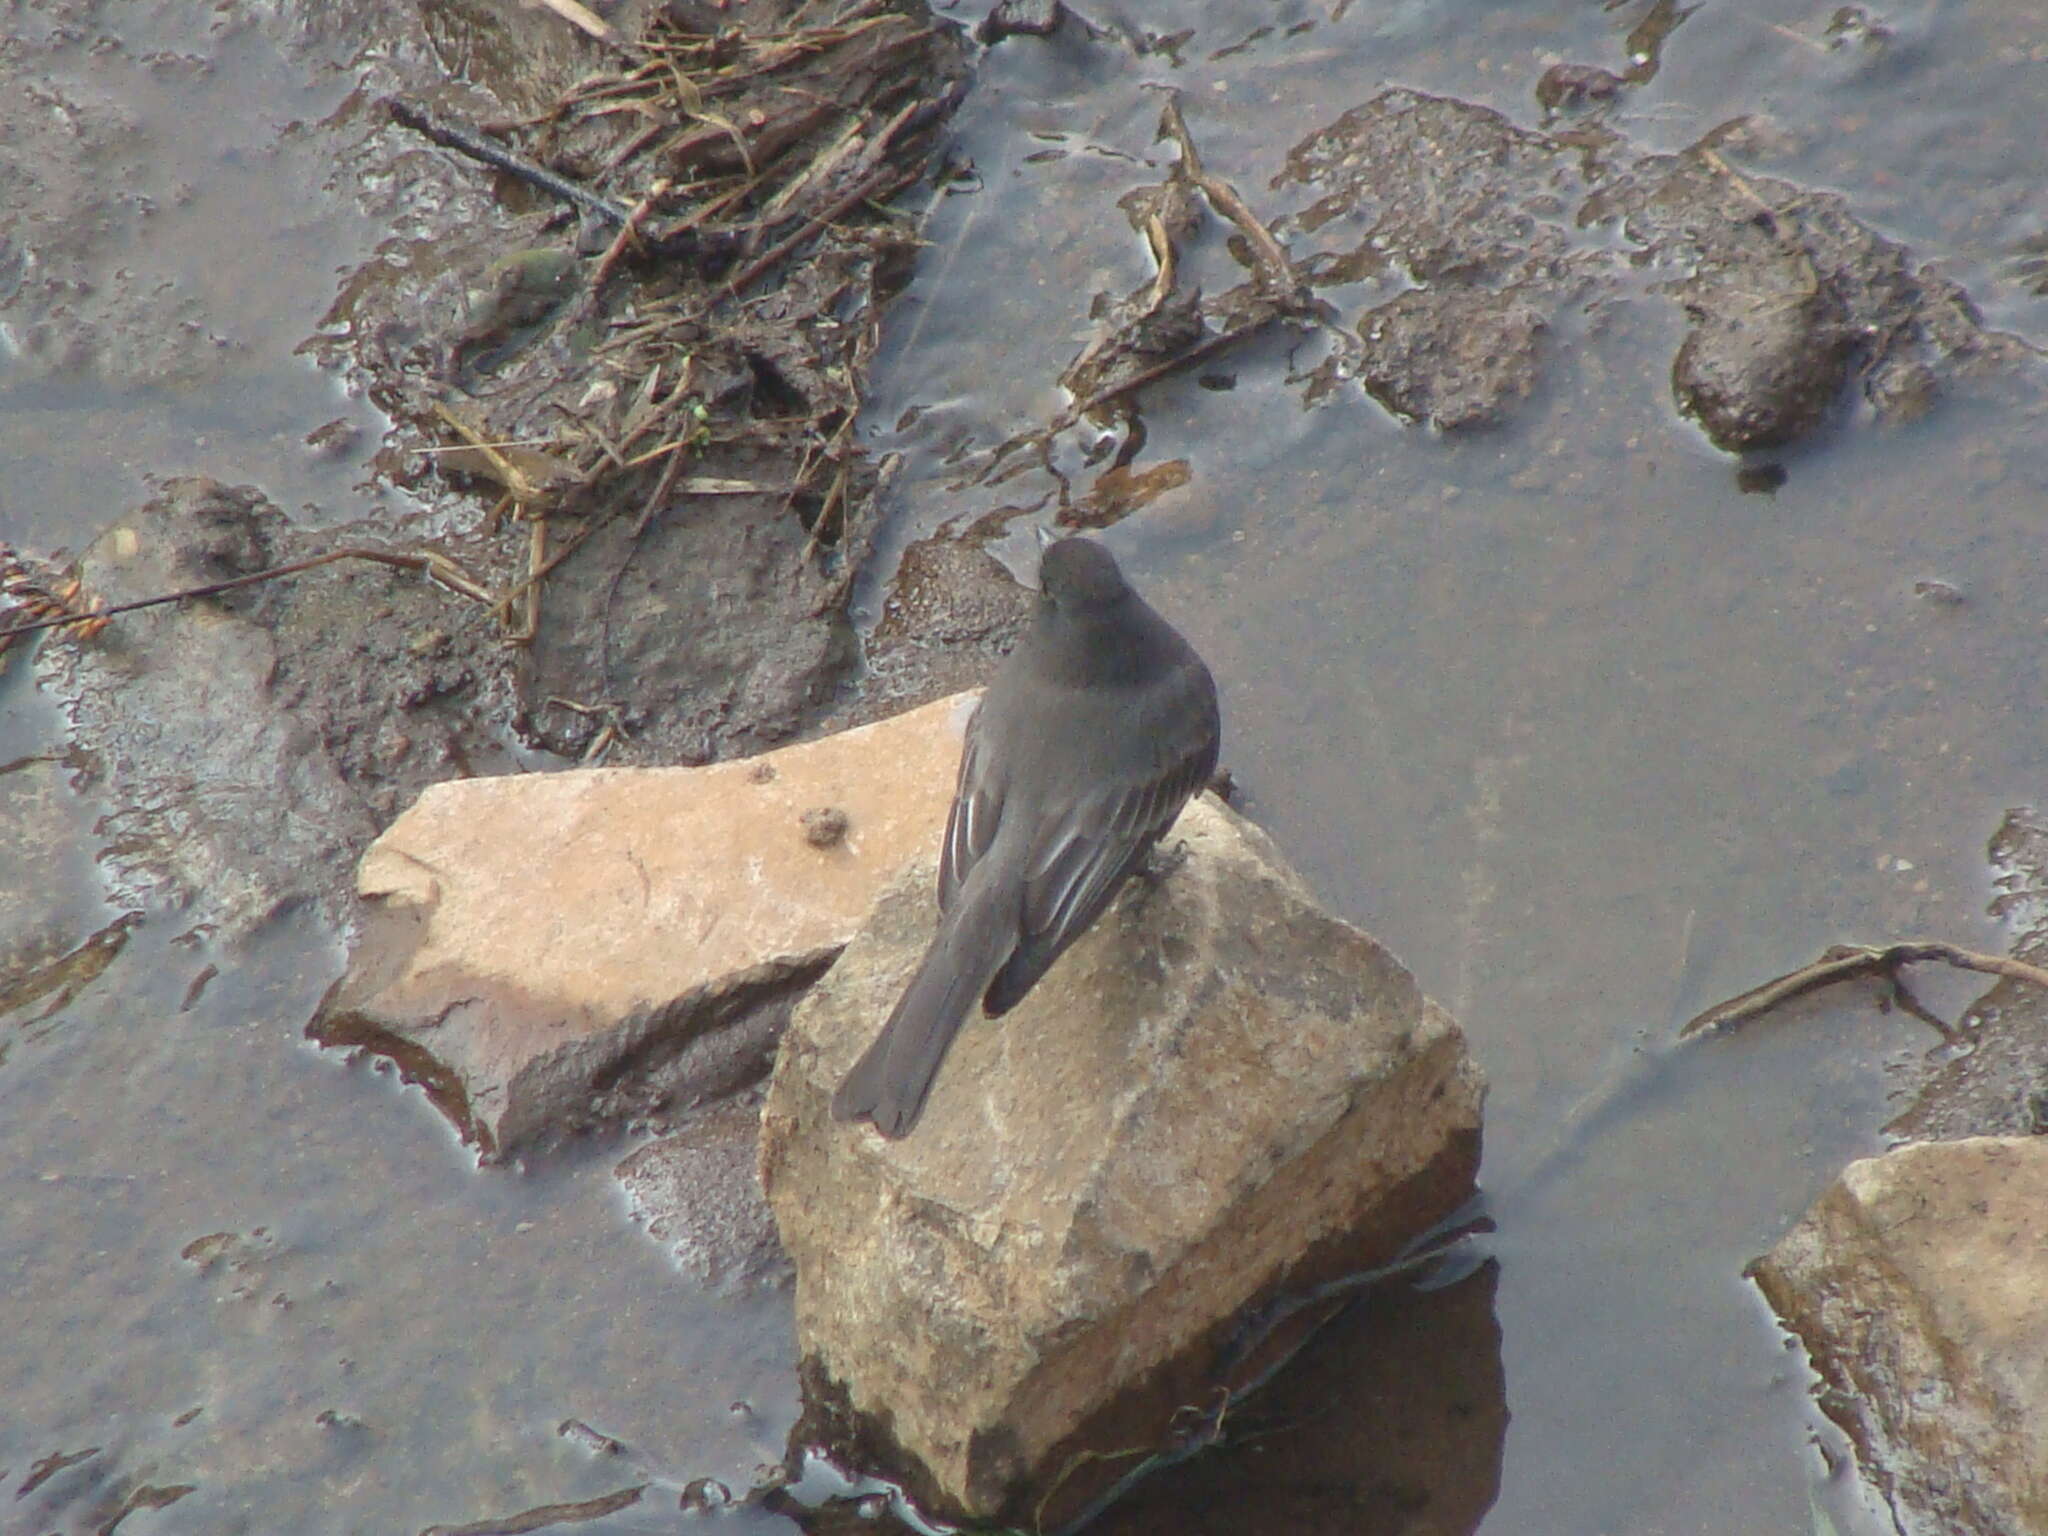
1919,1283
1219,1091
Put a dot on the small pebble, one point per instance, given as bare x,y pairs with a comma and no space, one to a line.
595,1441
825,827
706,1493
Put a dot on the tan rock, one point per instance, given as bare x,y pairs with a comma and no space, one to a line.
1218,1090
555,950
1919,1283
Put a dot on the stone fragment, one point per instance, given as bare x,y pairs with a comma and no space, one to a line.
555,951
1919,1284
1220,1091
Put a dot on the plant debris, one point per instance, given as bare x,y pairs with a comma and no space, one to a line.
655,374
718,160
34,598
1845,962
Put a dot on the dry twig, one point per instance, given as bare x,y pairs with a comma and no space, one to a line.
1845,962
1275,268
437,568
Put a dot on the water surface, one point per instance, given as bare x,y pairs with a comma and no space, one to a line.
1588,736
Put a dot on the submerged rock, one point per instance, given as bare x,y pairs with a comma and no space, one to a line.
1220,1091
556,951
1762,365
1472,239
1919,1284
696,1193
233,803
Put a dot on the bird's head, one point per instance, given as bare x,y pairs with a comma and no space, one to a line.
1080,574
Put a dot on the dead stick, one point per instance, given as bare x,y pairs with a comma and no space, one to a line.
628,235
582,17
536,562
1276,269
1849,961
879,183
562,552
438,567
869,186
1160,369
456,137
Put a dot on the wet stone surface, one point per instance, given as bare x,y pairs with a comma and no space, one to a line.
1994,1082
1489,232
260,737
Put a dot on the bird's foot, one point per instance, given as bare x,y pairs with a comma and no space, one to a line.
1152,872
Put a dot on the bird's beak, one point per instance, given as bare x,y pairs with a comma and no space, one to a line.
1046,538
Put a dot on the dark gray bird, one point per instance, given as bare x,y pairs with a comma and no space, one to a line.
1091,738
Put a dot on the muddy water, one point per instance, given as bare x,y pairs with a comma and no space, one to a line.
1590,737
174,232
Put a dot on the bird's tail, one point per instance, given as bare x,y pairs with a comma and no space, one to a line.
889,1083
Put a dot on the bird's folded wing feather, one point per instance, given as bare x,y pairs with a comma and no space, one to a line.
971,824
1083,855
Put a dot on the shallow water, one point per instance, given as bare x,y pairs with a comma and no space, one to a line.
228,1262
1590,738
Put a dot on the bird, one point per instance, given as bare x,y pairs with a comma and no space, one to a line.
1091,737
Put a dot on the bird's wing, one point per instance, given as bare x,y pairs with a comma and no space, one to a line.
971,824
1081,859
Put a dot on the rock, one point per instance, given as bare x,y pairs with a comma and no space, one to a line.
950,612
1460,211
1459,376
1998,1086
554,951
1020,18
698,1195
1919,1283
1766,358
232,803
1791,300
1220,1091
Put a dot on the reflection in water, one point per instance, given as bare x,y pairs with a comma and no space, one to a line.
1392,1421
